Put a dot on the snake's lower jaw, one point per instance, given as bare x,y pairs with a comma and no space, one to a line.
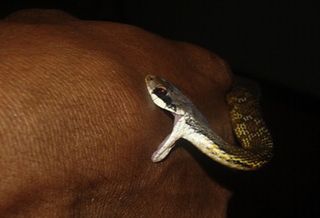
160,154
155,158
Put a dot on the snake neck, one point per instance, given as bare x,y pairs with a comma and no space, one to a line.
200,135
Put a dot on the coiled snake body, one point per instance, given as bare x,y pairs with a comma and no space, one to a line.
189,123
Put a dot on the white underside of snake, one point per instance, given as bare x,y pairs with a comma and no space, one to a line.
249,127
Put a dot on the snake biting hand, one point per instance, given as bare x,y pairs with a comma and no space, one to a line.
248,125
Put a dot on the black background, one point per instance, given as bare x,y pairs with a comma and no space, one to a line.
274,42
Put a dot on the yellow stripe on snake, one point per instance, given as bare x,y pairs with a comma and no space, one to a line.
248,125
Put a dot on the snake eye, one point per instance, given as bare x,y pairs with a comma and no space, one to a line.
160,91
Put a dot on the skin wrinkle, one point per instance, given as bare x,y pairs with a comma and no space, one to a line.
70,95
135,46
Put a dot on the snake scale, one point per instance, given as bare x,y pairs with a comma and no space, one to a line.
248,125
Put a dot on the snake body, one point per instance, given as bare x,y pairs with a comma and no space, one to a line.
248,125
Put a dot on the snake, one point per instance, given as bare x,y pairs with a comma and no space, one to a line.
255,145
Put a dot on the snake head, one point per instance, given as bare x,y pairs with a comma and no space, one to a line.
167,96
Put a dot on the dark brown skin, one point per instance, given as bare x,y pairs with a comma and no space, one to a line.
77,127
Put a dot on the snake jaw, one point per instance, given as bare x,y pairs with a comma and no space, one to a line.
164,148
168,143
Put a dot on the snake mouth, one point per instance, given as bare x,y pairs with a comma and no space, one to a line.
157,91
150,82
149,77
154,82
